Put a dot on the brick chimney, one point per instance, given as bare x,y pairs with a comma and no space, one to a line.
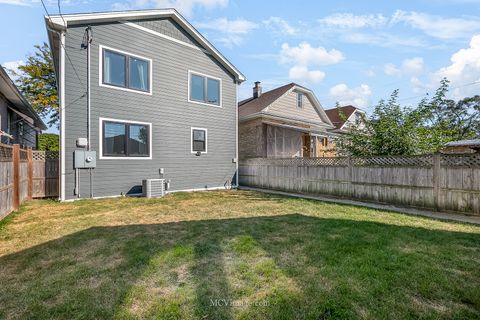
257,90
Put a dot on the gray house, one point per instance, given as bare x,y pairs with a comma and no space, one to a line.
160,102
19,123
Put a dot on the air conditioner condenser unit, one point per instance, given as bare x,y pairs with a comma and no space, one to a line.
153,188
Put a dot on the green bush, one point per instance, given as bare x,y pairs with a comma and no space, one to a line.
48,142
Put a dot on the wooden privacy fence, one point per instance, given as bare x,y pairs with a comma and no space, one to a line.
26,174
441,182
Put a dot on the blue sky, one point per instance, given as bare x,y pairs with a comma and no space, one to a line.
348,51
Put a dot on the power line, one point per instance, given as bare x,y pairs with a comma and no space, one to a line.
60,12
61,42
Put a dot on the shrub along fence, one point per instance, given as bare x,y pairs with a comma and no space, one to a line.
26,174
441,182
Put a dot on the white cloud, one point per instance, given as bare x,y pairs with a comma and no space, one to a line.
238,26
437,26
464,69
304,54
185,7
16,2
303,74
13,66
391,70
413,66
370,73
228,32
359,96
351,21
279,26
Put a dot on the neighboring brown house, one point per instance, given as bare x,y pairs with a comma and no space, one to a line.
284,122
19,123
344,117
462,146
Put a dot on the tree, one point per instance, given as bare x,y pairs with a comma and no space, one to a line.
396,130
48,142
37,82
387,132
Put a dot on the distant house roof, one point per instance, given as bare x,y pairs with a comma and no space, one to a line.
18,103
254,105
57,23
473,143
335,117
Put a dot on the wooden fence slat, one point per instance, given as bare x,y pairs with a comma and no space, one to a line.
16,176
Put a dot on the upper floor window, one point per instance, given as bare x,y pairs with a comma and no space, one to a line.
358,118
125,71
125,139
204,89
299,100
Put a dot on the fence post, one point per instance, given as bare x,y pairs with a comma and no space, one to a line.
30,173
350,175
16,176
437,157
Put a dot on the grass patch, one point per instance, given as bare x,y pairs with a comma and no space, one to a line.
233,255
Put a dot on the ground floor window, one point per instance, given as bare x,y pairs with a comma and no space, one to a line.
199,140
125,139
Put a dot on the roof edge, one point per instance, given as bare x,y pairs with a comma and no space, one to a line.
61,22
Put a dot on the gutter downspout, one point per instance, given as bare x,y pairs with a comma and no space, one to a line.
236,136
62,115
89,42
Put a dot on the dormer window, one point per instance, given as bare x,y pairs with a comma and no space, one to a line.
299,100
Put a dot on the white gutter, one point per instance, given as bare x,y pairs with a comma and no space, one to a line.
280,117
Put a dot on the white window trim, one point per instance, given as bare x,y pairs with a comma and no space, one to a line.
100,142
299,94
190,72
191,140
100,70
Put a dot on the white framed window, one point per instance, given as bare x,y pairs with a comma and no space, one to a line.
299,100
124,71
204,89
199,140
123,139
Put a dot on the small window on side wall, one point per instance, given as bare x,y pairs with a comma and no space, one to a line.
299,100
123,139
204,89
199,140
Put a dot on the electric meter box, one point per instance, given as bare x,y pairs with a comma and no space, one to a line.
85,159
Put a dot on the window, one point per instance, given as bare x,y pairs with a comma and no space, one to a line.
299,100
199,140
123,139
358,118
204,89
125,71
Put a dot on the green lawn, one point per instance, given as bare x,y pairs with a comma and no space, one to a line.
233,255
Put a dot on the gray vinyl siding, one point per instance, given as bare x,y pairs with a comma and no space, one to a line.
169,28
167,109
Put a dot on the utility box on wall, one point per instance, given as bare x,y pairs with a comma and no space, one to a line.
85,159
